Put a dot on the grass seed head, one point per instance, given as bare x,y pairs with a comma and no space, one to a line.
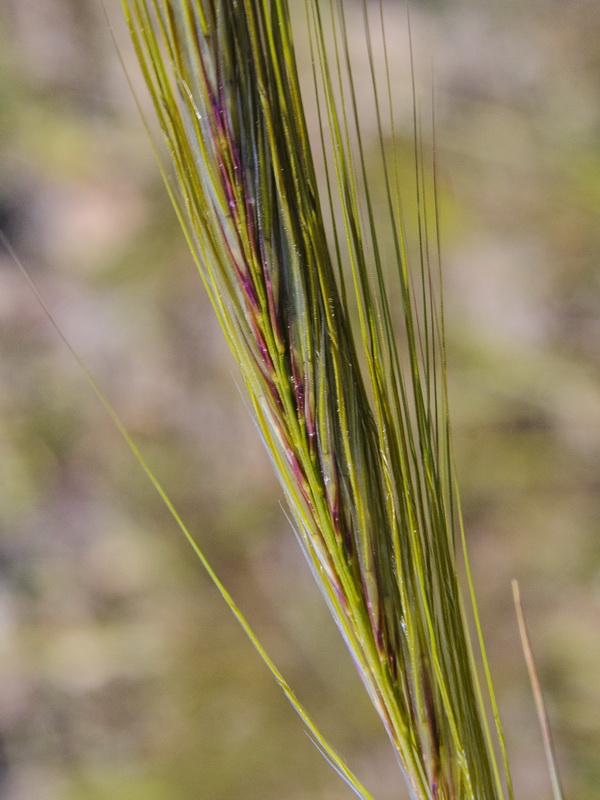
348,389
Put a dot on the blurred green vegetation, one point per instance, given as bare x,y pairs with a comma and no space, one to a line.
121,674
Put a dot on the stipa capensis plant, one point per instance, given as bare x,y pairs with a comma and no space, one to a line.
339,336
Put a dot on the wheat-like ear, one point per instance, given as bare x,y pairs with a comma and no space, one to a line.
354,416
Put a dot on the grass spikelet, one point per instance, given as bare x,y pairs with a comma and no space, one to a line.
353,415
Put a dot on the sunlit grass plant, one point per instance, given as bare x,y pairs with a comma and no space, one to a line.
338,330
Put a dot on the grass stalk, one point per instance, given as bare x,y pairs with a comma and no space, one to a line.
347,386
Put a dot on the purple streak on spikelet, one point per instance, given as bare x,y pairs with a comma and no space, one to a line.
299,475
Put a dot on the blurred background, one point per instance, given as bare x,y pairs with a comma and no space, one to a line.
122,675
